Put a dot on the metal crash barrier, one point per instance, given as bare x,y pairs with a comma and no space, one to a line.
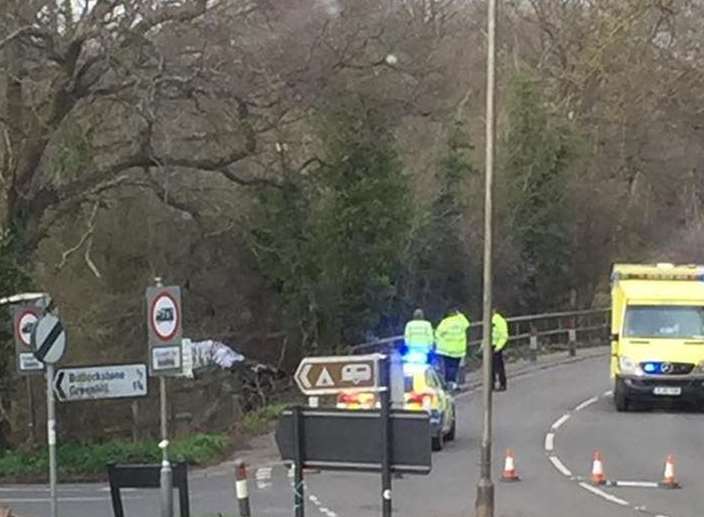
529,334
146,476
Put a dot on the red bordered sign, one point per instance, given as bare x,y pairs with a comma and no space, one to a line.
25,319
165,316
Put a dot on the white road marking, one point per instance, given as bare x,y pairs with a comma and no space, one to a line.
560,466
564,418
608,393
549,442
263,473
586,403
263,477
636,484
596,491
314,500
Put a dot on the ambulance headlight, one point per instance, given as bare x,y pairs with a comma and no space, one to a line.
699,368
629,367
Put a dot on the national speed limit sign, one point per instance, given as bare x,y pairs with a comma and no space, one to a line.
49,339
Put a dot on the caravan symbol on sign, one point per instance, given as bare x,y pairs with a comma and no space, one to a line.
331,375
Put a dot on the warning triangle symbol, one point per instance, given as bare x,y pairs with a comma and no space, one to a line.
325,379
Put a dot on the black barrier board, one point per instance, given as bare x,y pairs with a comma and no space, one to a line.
146,476
343,439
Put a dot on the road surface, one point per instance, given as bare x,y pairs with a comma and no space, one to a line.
552,419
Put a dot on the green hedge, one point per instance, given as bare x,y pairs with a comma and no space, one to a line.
90,458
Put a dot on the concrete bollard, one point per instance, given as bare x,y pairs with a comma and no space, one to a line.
241,488
533,346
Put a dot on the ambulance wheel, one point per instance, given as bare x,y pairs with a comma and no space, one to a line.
620,399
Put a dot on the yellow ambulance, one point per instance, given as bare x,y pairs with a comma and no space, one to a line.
657,333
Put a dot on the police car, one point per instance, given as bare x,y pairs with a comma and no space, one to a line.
424,390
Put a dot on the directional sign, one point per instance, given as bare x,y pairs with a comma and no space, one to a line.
341,439
333,374
164,322
24,319
48,339
101,382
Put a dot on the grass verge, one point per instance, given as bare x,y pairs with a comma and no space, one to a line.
89,459
261,421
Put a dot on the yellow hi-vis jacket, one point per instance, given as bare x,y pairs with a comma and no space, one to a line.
499,332
419,333
451,336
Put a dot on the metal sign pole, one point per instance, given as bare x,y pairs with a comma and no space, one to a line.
166,478
298,487
51,436
385,416
485,488
30,410
166,482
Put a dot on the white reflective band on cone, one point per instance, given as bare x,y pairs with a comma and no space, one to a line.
241,487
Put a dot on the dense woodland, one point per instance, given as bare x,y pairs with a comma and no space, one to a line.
309,171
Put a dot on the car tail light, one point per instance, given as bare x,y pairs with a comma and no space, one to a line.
346,398
363,399
425,400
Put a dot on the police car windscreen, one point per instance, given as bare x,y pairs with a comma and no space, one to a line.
664,322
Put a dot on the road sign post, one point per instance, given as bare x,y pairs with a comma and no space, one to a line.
48,339
24,318
165,334
299,499
342,439
51,437
386,438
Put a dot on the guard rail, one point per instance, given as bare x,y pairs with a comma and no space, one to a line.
529,335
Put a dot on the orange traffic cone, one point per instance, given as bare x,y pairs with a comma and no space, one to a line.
598,476
510,473
669,480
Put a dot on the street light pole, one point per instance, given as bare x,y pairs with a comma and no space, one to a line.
484,504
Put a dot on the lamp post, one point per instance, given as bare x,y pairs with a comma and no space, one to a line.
484,504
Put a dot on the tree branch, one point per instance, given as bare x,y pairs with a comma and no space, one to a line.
85,237
26,30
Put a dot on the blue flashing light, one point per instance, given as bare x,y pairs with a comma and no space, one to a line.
416,357
649,368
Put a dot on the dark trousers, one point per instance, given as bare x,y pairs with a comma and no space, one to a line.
499,368
452,367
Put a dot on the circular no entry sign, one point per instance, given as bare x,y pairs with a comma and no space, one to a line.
164,316
24,326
